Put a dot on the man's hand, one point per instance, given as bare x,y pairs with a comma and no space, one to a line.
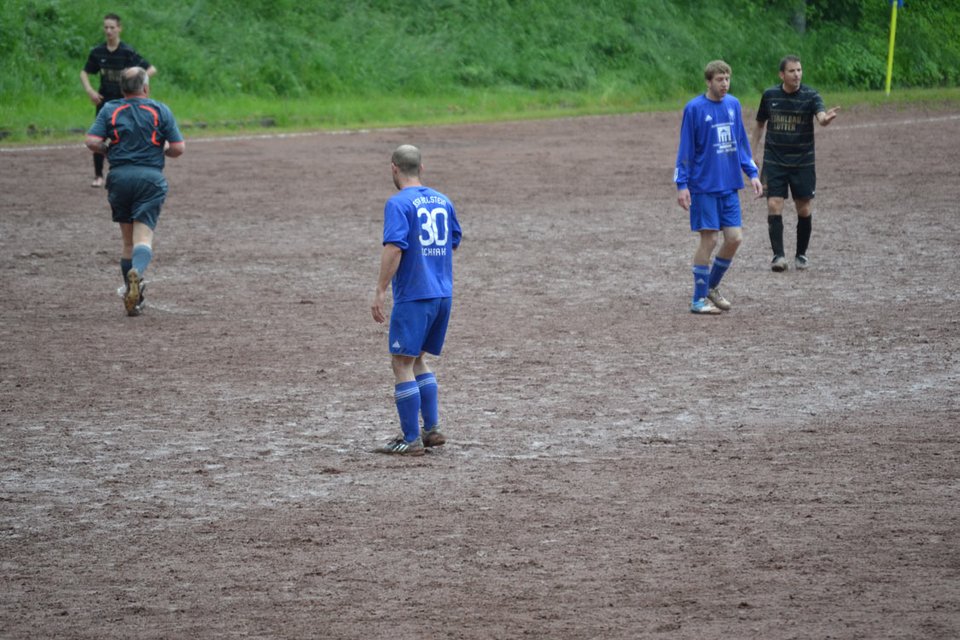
174,149
757,187
377,307
683,199
826,117
97,144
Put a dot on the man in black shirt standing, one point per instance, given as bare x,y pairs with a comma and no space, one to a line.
788,111
109,59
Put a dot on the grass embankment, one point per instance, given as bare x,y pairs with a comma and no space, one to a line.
232,65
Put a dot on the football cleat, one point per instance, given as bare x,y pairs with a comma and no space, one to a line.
704,307
401,447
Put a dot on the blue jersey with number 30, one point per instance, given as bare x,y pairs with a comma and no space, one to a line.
423,223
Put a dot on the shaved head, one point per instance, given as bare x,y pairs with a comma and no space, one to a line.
407,159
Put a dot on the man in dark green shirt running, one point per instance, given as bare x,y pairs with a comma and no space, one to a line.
787,111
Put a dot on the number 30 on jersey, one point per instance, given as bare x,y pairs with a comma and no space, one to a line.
433,226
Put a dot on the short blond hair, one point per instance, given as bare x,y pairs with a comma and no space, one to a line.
714,67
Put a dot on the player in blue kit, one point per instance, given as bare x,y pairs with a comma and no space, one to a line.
420,233
713,154
136,133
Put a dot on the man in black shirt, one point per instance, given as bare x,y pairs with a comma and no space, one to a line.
109,59
788,111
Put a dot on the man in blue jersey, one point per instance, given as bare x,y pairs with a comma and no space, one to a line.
420,233
788,111
712,156
136,133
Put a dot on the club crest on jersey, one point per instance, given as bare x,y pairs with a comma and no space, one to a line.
724,134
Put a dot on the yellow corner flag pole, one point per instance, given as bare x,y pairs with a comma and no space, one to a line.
893,37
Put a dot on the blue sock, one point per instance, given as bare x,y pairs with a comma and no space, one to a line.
701,281
142,255
407,397
125,264
720,267
429,400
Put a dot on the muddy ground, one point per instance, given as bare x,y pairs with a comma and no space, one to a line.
616,467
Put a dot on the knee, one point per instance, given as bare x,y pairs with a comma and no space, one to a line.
401,365
733,239
420,366
141,234
709,241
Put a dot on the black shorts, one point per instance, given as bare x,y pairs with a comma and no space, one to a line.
802,181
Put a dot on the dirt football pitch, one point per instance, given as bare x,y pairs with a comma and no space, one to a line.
615,468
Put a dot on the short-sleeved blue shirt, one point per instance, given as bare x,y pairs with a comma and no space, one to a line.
423,223
137,129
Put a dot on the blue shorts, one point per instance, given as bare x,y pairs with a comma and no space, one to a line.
419,326
136,194
714,211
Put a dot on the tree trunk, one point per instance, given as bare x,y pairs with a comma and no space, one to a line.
798,15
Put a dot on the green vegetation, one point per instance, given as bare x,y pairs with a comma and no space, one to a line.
231,64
